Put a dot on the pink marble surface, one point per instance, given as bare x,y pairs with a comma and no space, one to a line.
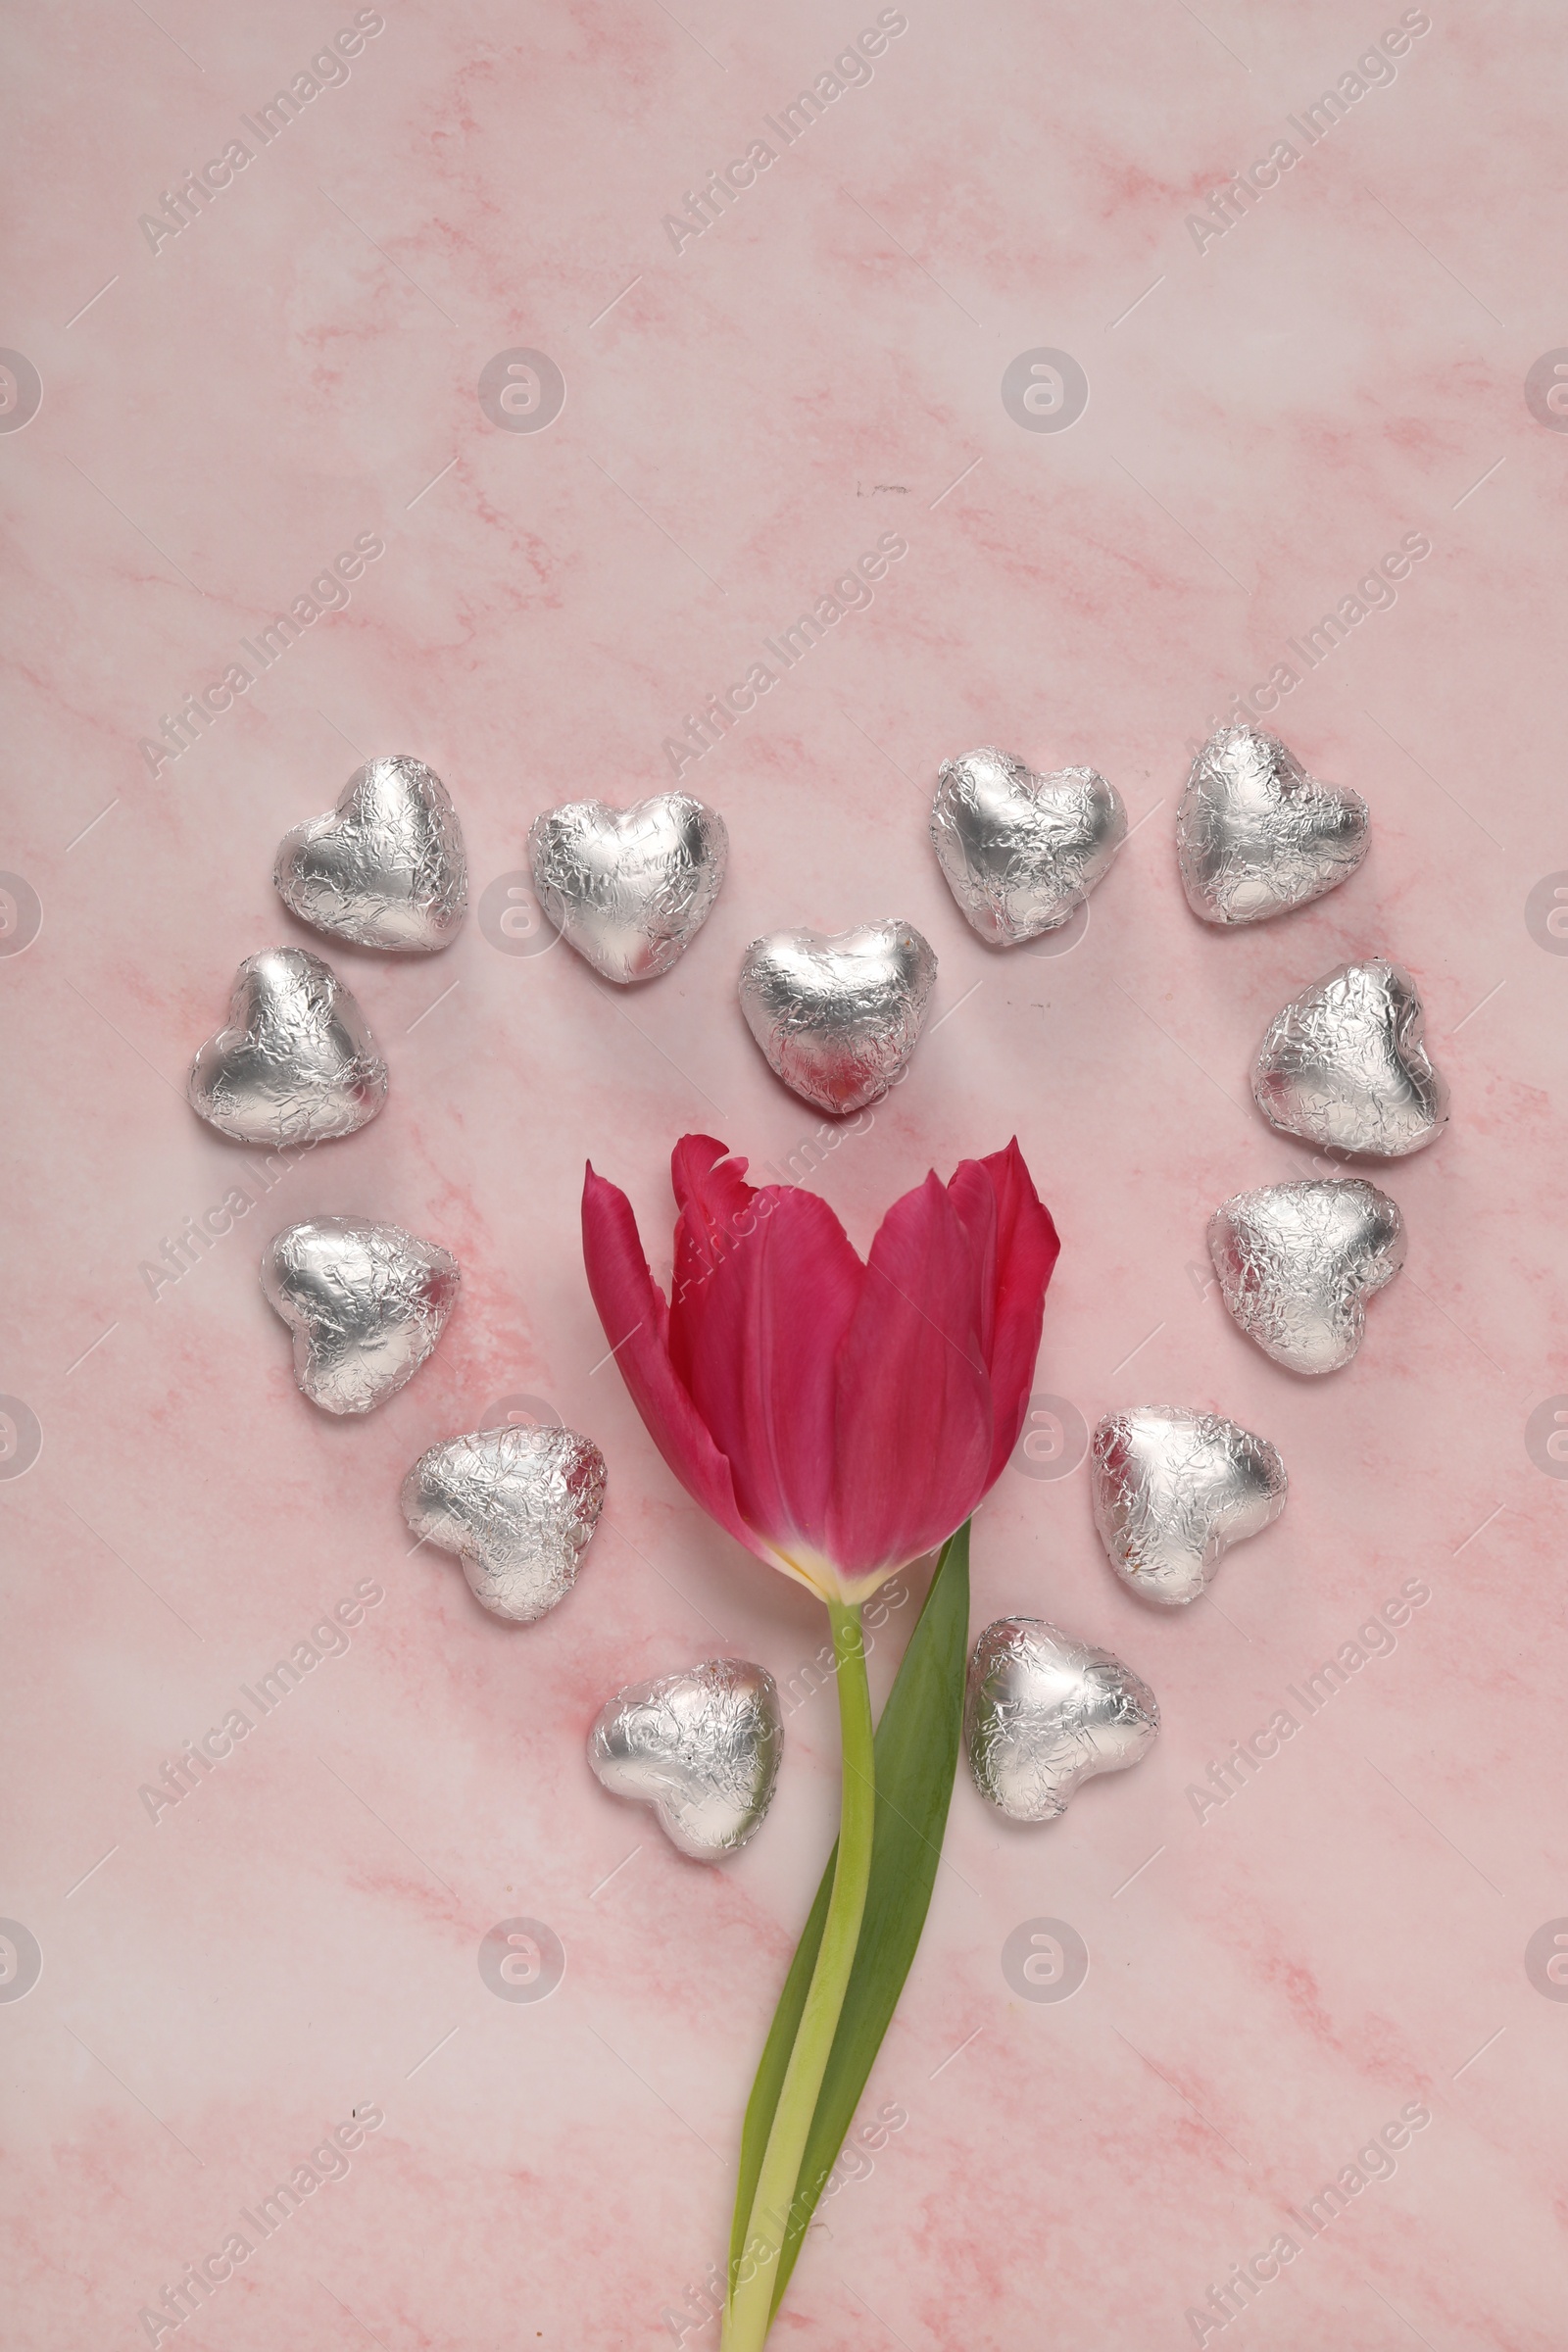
1271,410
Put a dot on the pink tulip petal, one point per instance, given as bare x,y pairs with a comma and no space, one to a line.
703,1169
1018,1246
913,1420
635,1317
974,1204
766,1285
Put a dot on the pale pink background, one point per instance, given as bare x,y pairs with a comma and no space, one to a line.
294,369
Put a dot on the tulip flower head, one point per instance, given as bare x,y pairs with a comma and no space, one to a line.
840,1418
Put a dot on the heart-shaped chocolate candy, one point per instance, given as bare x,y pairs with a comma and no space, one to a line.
1044,1714
1174,1490
365,1303
1021,853
1297,1262
517,1505
703,1748
296,1064
838,1017
629,888
1345,1064
1255,835
386,867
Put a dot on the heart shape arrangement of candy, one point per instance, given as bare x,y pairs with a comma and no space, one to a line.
871,1404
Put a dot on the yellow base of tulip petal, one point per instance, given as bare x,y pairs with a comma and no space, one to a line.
831,1586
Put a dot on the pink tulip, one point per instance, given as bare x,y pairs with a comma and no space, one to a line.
839,1418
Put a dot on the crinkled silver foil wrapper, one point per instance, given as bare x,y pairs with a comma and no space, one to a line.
630,889
296,1063
517,1505
365,1305
838,1017
1043,1714
1022,852
703,1748
1255,835
1297,1262
1345,1064
386,867
1173,1491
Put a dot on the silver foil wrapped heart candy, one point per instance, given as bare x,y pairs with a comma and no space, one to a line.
386,867
630,889
297,1063
517,1505
1044,1713
1255,835
1345,1064
1020,852
1297,1262
365,1305
838,1017
1174,1490
703,1748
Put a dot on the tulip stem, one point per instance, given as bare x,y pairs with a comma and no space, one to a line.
749,2309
